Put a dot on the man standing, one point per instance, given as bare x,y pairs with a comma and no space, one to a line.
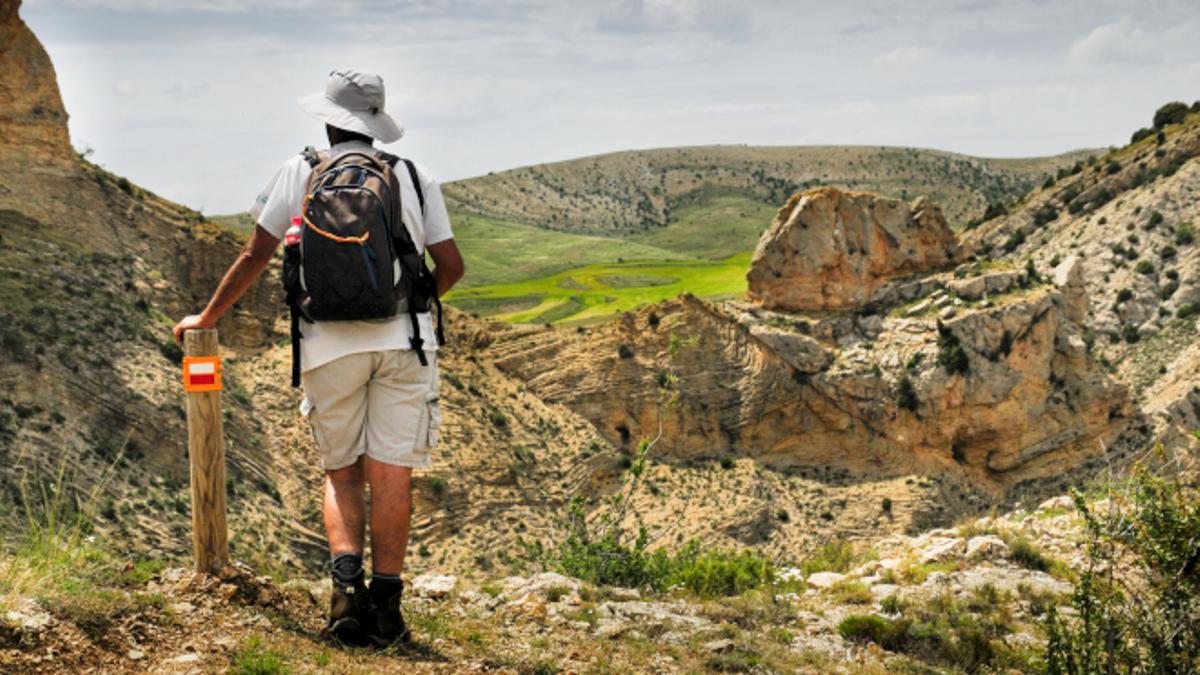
370,400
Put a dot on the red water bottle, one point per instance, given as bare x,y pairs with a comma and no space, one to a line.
292,238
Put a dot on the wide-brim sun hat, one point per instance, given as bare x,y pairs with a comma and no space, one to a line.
353,100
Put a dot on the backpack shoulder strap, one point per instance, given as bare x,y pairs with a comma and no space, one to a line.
416,181
393,160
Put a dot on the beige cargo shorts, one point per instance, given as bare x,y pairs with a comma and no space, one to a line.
383,404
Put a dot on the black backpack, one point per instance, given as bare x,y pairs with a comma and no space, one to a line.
352,244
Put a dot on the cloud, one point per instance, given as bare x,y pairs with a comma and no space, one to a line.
219,6
705,16
904,56
1118,42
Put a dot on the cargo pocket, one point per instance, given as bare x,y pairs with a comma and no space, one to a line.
433,413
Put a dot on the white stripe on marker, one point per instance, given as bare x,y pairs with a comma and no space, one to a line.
203,368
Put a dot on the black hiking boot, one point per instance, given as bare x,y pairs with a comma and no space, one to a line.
347,612
385,624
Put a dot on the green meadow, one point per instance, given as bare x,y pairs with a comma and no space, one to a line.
598,291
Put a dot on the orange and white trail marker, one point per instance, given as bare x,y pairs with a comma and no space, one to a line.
202,373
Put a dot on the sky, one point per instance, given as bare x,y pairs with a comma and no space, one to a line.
196,99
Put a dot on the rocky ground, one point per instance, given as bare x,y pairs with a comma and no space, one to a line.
999,572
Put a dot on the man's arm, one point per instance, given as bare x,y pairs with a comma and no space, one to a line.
449,267
250,263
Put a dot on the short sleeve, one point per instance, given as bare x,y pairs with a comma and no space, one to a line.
281,199
436,218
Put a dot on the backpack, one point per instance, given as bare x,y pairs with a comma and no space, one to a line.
355,260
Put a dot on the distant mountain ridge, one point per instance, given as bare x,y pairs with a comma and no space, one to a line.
636,190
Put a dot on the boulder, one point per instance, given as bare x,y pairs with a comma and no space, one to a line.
986,547
831,249
433,585
968,289
943,549
825,579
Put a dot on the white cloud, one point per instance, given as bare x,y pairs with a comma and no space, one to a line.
1118,42
905,56
707,16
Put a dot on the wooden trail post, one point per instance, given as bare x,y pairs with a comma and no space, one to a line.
206,449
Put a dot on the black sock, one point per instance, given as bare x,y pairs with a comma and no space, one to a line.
347,569
384,586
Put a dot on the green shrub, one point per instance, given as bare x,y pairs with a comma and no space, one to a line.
171,350
1170,113
1155,219
835,555
1129,333
1168,252
1028,555
1145,267
1014,240
1124,295
951,355
709,574
1168,290
1188,310
255,659
1140,134
1185,234
1147,618
624,351
1045,214
906,394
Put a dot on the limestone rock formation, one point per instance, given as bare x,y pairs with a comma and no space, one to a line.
831,249
981,372
33,122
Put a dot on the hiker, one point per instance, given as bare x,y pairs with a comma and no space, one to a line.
363,341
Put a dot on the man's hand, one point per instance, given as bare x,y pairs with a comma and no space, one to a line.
192,322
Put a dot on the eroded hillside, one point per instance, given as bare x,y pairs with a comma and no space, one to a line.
1131,218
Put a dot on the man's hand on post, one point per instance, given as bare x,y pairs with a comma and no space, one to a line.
191,322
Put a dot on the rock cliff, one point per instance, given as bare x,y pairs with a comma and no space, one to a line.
32,116
980,372
831,249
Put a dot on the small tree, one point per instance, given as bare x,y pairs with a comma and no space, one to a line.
1171,113
1138,596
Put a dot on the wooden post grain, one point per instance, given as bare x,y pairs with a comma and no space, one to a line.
206,450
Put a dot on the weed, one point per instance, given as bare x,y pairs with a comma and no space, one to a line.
254,658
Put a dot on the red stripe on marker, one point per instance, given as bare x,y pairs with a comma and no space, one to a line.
203,379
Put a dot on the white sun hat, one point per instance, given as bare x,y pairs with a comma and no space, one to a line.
353,100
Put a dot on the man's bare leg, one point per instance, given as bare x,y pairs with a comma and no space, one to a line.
345,509
391,514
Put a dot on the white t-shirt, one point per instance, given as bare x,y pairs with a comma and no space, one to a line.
325,341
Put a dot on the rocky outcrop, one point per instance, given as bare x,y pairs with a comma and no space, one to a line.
831,249
884,397
981,372
33,122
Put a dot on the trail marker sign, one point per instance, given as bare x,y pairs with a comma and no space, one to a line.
201,373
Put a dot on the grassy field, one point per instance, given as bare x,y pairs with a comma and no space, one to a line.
713,226
596,292
497,251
